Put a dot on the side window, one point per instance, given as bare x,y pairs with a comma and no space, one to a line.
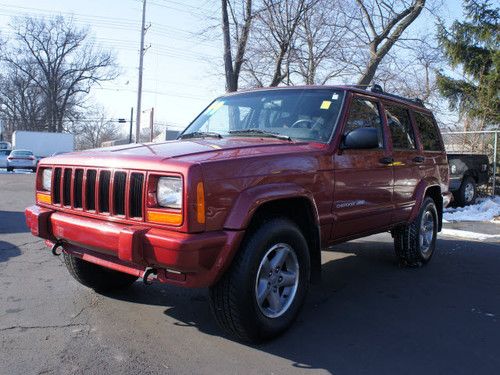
364,114
429,132
398,120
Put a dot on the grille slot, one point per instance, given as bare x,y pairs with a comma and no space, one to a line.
77,188
67,187
104,179
90,189
119,183
135,199
57,186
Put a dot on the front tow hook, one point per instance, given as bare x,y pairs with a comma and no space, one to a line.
58,244
149,275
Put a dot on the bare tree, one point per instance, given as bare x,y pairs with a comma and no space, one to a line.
274,36
60,60
21,101
320,49
236,22
92,128
379,24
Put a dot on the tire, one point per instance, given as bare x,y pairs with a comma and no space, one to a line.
233,299
467,193
10,169
34,170
96,277
413,248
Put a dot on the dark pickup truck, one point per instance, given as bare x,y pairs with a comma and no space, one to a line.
467,171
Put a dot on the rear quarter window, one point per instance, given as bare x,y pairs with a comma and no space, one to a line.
429,132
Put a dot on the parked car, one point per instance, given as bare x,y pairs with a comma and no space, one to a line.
3,158
247,197
467,172
21,159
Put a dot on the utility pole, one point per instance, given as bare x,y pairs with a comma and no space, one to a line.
151,123
131,122
139,86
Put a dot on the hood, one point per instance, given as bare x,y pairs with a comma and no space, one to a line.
182,151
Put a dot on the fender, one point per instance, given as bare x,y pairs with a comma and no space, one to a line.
251,199
419,195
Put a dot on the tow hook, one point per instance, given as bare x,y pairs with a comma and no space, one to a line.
58,244
149,275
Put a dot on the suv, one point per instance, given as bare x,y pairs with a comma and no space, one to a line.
246,198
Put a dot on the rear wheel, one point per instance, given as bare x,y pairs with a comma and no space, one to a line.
261,294
415,243
96,277
10,169
467,193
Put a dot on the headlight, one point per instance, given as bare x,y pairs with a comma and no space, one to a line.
169,192
46,179
453,169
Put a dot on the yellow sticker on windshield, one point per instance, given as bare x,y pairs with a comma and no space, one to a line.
326,104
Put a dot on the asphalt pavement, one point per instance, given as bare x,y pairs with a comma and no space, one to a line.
368,316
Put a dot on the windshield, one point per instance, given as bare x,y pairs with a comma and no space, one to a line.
297,114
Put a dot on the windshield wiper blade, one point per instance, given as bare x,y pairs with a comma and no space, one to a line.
200,135
261,132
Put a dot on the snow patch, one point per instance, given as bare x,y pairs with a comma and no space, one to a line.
486,209
469,235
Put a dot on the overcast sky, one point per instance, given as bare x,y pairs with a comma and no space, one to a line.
182,70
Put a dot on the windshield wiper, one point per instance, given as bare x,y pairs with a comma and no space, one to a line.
200,135
261,133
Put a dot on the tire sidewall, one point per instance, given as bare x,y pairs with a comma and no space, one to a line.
268,235
428,205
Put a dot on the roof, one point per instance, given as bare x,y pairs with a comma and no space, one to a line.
415,103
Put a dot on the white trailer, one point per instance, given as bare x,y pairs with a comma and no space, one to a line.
43,144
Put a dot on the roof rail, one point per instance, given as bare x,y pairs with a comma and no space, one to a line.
379,90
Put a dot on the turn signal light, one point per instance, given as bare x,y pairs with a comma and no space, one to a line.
169,218
200,203
43,198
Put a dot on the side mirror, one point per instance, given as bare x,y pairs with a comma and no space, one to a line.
361,138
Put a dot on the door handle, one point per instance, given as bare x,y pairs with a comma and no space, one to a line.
386,160
418,159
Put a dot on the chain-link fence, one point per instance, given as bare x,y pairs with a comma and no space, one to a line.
479,143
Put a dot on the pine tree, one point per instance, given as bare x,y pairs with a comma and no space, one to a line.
473,46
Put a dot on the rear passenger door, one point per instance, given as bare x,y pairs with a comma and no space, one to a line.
432,149
363,177
407,159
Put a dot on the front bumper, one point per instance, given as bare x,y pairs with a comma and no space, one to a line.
22,164
191,260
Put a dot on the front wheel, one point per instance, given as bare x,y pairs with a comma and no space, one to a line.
261,294
96,277
415,243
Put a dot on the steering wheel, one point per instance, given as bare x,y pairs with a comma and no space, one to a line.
302,124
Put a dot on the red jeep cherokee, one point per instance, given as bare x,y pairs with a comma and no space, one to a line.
246,198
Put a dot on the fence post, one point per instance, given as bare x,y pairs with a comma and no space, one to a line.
495,162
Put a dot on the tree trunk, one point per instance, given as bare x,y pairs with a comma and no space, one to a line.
231,82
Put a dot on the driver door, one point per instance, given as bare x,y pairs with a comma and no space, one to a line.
363,190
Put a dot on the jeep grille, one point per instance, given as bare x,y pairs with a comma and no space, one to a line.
101,191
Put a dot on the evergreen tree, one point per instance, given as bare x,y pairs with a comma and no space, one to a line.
473,46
